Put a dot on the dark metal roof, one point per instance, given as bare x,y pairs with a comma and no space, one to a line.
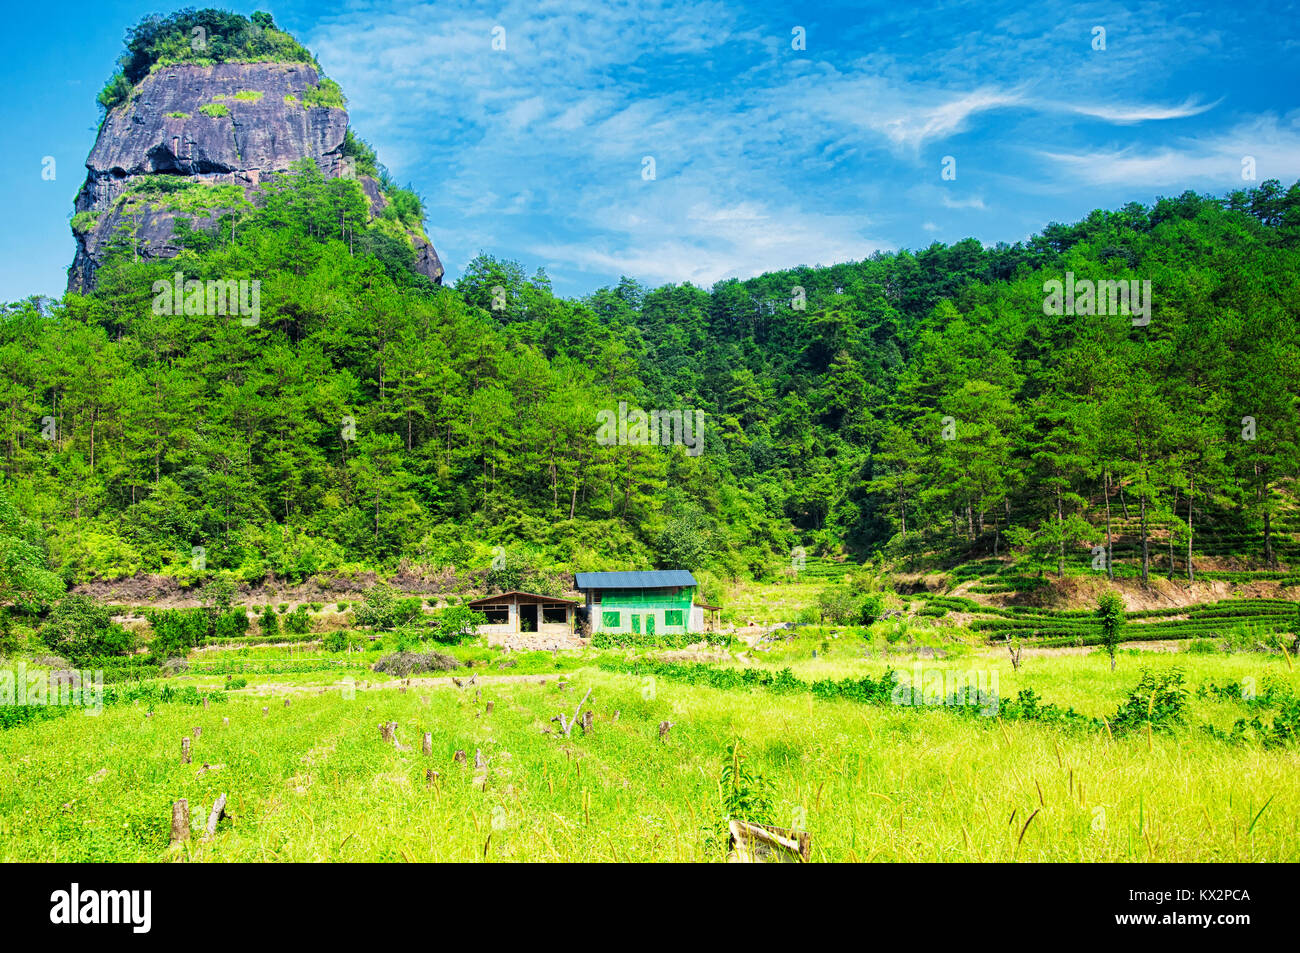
650,579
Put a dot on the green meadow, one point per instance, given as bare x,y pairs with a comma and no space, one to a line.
314,780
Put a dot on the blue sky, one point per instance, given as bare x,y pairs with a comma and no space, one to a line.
765,156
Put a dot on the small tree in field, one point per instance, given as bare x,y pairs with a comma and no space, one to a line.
1110,611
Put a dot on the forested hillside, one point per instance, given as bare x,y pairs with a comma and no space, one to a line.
920,404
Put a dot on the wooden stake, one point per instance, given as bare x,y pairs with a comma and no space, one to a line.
218,811
586,721
205,701
428,743
180,822
185,751
458,757
490,706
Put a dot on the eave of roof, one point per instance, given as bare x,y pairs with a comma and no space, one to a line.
519,592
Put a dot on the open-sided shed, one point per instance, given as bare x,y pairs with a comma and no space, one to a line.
523,612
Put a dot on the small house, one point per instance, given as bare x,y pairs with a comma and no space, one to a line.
642,603
515,612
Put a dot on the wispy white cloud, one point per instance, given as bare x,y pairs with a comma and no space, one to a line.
766,157
1214,161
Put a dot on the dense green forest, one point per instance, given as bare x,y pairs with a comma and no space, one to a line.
913,404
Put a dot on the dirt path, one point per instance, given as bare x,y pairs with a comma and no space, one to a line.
364,685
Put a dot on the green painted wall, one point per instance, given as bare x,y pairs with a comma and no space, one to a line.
641,611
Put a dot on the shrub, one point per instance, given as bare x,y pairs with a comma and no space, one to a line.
231,625
176,631
8,638
457,623
269,622
1159,699
1110,612
115,92
215,110
839,605
340,641
744,793
79,627
298,621
219,593
383,610
871,608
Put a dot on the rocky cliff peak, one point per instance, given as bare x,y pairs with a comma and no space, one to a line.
230,124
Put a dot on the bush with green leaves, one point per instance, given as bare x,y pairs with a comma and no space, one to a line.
26,581
743,793
78,627
231,624
269,622
298,621
219,592
455,624
1110,614
176,631
1158,700
341,641
383,609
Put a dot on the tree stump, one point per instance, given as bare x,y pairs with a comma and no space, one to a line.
197,731
402,689
384,732
430,776
479,763
586,721
148,714
205,701
458,757
265,710
180,822
428,743
286,703
185,751
664,728
490,706
218,811
616,714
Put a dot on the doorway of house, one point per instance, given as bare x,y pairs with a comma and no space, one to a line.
528,618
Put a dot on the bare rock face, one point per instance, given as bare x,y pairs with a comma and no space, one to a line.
255,125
